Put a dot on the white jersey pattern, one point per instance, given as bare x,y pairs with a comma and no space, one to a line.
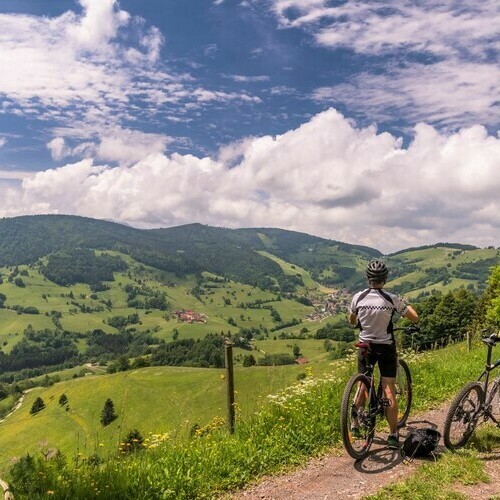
375,308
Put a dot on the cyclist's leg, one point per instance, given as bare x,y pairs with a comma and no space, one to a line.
388,365
391,411
362,394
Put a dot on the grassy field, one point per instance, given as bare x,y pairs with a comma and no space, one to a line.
156,399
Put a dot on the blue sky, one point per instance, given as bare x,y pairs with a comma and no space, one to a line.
352,120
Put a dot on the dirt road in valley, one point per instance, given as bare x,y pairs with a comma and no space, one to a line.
337,476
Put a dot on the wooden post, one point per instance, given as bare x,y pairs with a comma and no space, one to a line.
469,340
230,384
7,494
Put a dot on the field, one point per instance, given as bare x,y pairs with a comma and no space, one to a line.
156,400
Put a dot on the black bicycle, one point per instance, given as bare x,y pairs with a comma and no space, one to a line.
476,402
363,402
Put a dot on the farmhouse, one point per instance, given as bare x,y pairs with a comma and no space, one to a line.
189,316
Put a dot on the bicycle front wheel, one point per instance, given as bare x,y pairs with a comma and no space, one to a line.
493,400
357,417
463,416
403,392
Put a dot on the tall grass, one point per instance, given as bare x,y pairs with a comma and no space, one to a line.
293,425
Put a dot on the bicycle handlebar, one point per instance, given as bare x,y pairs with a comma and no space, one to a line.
491,339
407,329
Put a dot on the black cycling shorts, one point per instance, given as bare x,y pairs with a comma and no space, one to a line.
383,354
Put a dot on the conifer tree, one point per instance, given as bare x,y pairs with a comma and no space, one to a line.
108,413
37,406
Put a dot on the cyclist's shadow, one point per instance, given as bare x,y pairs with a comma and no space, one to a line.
382,459
379,460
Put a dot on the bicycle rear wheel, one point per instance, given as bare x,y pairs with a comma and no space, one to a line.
463,415
357,417
403,392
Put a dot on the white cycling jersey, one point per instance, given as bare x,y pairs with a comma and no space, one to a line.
375,308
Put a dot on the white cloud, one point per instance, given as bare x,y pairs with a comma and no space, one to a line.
3,141
244,78
129,146
96,69
447,93
447,63
326,177
58,148
112,144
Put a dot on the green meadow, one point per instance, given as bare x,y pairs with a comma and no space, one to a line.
153,400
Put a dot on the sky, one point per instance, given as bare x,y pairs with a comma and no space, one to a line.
372,122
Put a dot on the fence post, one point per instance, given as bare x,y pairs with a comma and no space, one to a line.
228,347
7,494
469,341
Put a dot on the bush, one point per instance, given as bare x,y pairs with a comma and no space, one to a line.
133,442
276,359
249,360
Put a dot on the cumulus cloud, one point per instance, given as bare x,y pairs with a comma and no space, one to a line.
447,55
130,146
58,148
327,177
112,144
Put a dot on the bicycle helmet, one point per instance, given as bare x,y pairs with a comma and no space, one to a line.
376,271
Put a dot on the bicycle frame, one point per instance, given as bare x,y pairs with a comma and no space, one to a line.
487,398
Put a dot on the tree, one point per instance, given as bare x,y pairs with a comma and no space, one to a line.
133,442
108,413
19,282
37,406
296,350
487,314
63,399
249,360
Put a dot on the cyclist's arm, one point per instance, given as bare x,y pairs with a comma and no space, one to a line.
411,314
353,319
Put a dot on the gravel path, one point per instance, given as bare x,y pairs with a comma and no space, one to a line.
337,476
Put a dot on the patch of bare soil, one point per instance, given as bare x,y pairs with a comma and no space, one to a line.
338,476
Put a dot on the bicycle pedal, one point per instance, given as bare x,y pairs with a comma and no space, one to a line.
385,402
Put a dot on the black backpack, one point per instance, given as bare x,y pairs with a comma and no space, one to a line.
420,443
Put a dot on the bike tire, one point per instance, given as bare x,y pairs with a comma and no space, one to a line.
357,446
464,411
404,392
493,399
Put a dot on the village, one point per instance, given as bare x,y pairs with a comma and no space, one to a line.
335,303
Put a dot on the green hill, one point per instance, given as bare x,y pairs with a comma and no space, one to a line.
154,400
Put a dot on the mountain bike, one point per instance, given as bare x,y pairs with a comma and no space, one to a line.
363,402
475,403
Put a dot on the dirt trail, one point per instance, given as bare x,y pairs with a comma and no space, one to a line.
337,476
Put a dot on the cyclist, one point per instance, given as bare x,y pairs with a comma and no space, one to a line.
372,311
